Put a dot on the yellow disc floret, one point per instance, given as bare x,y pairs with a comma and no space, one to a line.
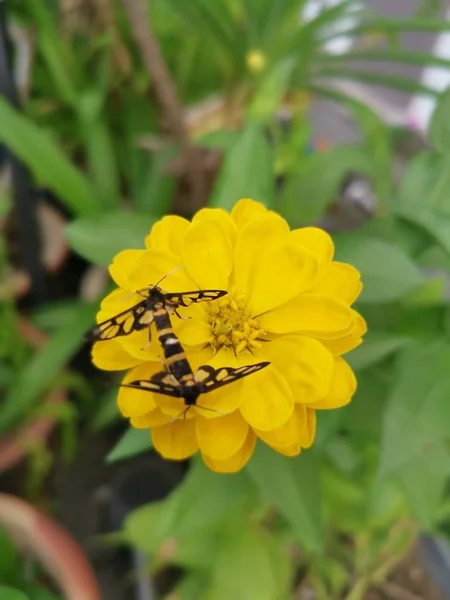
233,326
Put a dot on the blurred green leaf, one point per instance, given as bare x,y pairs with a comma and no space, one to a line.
395,82
107,412
247,171
158,186
377,346
102,163
54,315
47,162
132,442
220,139
258,567
376,141
308,192
267,98
423,482
423,197
387,272
395,56
40,371
202,500
100,238
418,410
292,485
439,127
9,593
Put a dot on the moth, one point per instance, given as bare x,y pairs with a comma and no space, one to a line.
191,385
142,314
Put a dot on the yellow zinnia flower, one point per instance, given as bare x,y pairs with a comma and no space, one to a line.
288,302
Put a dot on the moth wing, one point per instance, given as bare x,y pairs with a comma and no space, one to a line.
188,298
133,319
211,379
160,383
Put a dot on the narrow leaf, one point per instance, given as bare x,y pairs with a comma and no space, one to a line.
47,162
439,128
44,366
247,171
132,442
100,238
387,272
293,487
377,346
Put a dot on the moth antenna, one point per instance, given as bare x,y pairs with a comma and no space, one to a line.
219,412
182,414
167,275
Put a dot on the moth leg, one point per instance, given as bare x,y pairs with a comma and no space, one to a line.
180,317
149,338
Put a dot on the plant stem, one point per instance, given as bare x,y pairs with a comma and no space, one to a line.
165,89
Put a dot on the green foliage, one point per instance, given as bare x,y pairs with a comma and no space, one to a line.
91,132
100,238
133,441
247,171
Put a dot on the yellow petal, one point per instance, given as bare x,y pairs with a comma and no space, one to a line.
305,363
318,242
122,265
279,276
221,438
222,217
132,402
167,235
157,267
151,419
137,344
342,389
340,280
288,434
257,240
290,450
115,302
345,343
195,329
310,431
315,314
267,401
237,461
111,356
208,254
176,440
246,210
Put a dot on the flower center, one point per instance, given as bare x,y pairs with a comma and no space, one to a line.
233,326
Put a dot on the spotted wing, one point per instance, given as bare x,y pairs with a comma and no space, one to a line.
135,318
188,298
160,383
211,379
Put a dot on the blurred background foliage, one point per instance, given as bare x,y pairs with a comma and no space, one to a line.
131,109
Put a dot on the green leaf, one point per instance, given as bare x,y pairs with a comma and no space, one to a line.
423,198
47,162
423,482
247,171
390,81
308,192
106,413
292,486
439,128
132,442
387,272
259,567
267,98
100,238
40,372
377,346
202,500
157,185
392,56
418,410
9,593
